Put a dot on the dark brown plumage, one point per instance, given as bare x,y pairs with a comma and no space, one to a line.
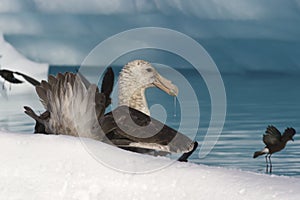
133,130
9,76
108,84
39,125
28,79
124,127
41,89
274,142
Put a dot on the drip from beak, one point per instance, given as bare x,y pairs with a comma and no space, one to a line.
165,85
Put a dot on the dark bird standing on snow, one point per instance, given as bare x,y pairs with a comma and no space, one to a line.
274,142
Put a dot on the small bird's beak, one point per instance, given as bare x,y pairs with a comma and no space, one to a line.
292,139
165,85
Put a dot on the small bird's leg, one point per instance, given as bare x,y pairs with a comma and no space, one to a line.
10,87
270,163
267,166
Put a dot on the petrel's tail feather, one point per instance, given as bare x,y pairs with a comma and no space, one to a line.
258,153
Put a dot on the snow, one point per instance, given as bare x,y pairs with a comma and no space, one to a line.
12,60
34,166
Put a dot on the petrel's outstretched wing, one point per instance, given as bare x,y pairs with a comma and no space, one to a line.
132,129
28,78
71,107
9,76
289,133
108,84
84,80
272,136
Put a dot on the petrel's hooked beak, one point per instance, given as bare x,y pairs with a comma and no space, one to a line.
165,85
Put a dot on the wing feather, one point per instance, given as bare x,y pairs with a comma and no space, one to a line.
289,133
75,109
272,136
28,79
107,84
145,131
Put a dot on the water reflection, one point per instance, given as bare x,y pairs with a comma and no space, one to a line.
253,103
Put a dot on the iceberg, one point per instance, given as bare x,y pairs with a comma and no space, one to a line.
12,60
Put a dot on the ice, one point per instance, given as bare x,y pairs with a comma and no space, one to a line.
238,34
12,60
60,167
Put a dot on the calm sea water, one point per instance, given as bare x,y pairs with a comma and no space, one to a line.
254,100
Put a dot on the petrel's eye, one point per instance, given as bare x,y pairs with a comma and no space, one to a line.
149,70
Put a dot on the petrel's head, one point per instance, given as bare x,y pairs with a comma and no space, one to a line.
144,74
135,77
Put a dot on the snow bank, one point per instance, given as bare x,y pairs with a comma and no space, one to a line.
60,167
12,60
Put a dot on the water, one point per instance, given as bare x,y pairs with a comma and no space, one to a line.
254,100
